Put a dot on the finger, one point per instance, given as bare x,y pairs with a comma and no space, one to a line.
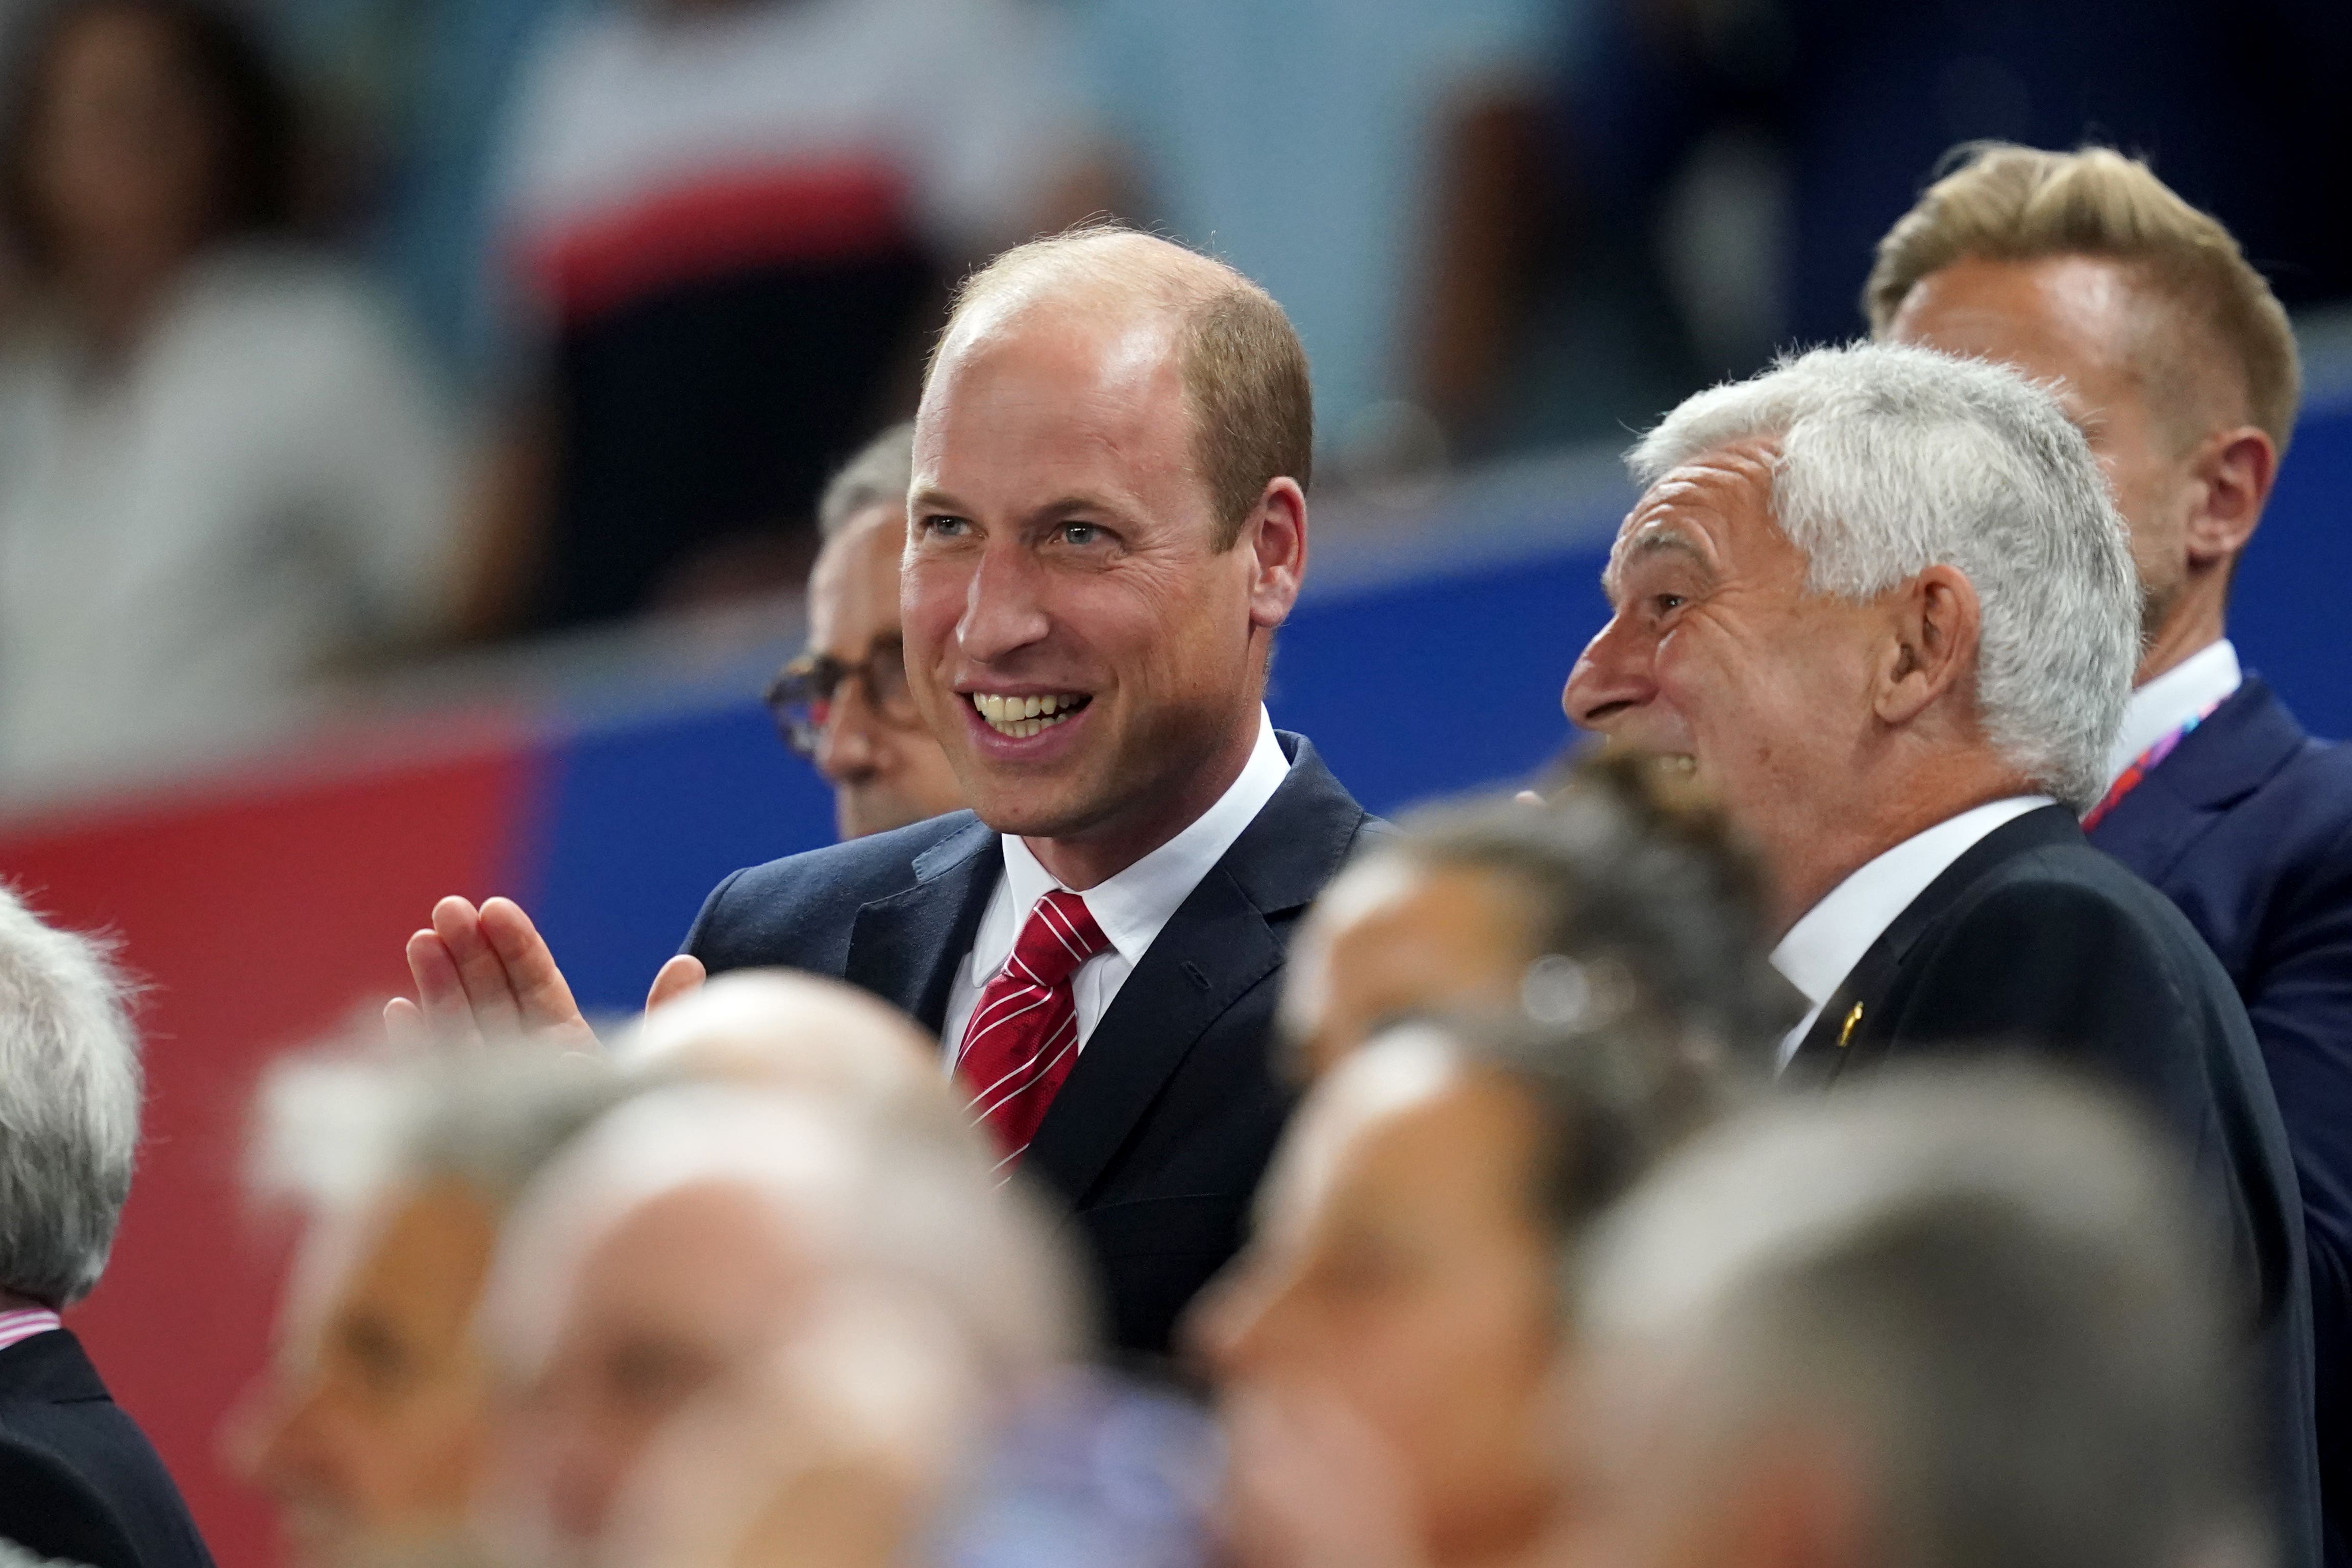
405,1026
489,988
440,993
681,976
537,986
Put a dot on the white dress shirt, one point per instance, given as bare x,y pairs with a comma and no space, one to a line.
1822,949
2171,700
1131,907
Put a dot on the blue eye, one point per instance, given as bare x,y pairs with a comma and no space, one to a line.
946,527
1080,533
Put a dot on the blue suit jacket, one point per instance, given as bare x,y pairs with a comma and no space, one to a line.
1158,1137
2247,826
79,1480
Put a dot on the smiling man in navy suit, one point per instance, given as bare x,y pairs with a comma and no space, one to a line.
2083,270
1108,525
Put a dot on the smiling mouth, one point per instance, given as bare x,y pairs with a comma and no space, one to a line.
1018,719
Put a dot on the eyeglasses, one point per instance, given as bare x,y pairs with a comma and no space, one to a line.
803,692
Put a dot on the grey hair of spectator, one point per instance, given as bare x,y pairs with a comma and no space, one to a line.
1611,1101
71,1091
339,1128
1630,873
1984,1292
1893,459
880,475
909,1204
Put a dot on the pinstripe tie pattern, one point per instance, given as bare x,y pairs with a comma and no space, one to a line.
1024,1036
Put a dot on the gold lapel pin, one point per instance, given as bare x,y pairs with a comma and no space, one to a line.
1852,1019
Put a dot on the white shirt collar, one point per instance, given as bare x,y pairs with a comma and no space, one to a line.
1132,906
1822,949
2172,699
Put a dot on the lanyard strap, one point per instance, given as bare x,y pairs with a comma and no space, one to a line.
2144,764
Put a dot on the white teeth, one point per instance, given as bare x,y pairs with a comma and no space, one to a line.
1021,718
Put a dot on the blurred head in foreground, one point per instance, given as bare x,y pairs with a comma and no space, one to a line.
1939,1322
845,704
373,1432
69,1101
1624,889
729,1317
1381,1350
2083,270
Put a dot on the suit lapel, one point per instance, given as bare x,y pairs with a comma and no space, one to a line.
1219,945
2235,752
905,948
1853,1022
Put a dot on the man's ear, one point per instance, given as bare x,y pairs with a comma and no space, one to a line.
1937,623
1275,535
2235,470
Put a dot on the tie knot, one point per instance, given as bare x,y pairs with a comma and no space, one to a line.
1061,935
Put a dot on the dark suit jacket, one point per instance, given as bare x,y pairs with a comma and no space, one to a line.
2034,940
79,1480
1157,1138
2247,826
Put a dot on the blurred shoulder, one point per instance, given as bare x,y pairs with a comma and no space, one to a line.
798,910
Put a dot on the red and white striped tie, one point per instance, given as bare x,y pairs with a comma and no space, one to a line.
1024,1037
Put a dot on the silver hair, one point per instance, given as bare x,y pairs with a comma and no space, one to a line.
882,472
1989,1284
1892,459
71,1091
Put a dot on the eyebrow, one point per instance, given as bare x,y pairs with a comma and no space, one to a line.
1654,539
931,499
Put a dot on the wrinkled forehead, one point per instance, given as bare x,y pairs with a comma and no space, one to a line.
1702,511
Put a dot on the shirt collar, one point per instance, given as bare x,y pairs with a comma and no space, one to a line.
2171,700
1132,906
1822,949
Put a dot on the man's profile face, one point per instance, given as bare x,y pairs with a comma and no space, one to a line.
1399,1269
2076,322
1391,939
884,775
1075,636
373,1431
1717,654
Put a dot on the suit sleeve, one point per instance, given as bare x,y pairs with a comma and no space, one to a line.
699,935
2301,1003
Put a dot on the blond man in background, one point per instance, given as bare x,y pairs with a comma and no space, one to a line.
2083,270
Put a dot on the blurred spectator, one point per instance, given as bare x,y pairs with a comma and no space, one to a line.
220,472
1383,1351
1940,1320
1627,880
1370,166
372,1431
2082,269
845,704
727,223
747,1326
77,1477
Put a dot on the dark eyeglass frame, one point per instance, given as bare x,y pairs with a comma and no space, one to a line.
803,693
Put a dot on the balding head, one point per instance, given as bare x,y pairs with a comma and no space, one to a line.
1244,370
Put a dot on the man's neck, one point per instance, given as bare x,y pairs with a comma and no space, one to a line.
2195,624
1089,859
1823,854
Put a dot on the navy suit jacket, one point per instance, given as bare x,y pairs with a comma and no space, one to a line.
2034,941
79,1480
1159,1135
2247,826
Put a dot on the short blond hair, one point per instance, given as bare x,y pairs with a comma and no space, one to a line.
1244,368
2007,203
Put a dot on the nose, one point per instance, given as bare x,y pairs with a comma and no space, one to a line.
849,750
1004,608
1611,676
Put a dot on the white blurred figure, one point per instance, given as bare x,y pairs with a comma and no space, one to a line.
222,471
1932,1321
750,1326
